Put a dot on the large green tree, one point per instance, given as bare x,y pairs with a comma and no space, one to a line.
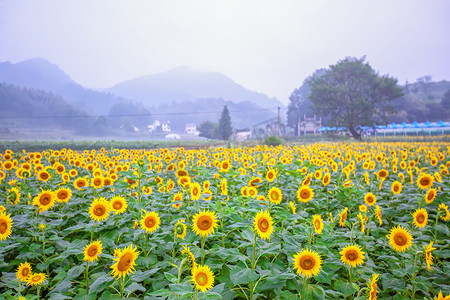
351,95
208,129
225,130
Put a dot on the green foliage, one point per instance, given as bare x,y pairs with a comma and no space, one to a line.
351,94
273,140
209,130
225,130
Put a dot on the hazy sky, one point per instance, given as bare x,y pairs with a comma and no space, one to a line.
267,46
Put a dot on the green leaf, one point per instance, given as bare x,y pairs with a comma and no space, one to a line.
181,289
345,287
172,278
134,287
75,271
248,235
58,296
63,286
242,275
100,283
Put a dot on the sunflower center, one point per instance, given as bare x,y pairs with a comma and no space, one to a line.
36,278
351,255
274,195
370,199
99,210
125,262
430,196
92,251
307,262
150,222
304,194
424,181
204,223
44,176
3,226
117,205
201,279
400,239
180,229
97,181
80,183
62,195
263,225
317,224
420,218
25,272
195,192
45,199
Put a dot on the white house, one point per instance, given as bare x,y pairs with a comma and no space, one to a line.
191,128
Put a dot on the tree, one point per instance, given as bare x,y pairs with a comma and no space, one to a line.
208,129
351,94
445,102
299,103
225,130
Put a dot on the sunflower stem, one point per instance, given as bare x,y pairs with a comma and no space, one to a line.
203,249
86,276
360,291
435,227
173,247
350,274
304,288
414,276
146,242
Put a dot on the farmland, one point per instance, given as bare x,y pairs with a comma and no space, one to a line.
314,221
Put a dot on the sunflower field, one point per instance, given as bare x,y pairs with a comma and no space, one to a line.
317,221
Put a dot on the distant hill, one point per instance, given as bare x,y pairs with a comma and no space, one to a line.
41,74
184,84
422,101
32,107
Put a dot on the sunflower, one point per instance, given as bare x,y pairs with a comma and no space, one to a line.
318,224
275,195
224,187
80,183
225,166
292,206
352,255
97,182
428,256
396,187
196,191
326,179
92,251
420,217
180,228
204,223
370,199
63,195
14,195
307,263
45,200
99,209
203,278
425,181
187,252
305,193
441,297
178,197
23,271
400,239
271,175
343,217
307,179
36,278
430,196
43,175
378,214
372,288
255,181
125,260
118,204
383,173
443,209
150,221
263,224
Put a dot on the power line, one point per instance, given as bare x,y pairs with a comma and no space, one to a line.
131,115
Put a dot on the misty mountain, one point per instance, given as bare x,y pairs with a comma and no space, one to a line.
184,84
41,74
32,107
